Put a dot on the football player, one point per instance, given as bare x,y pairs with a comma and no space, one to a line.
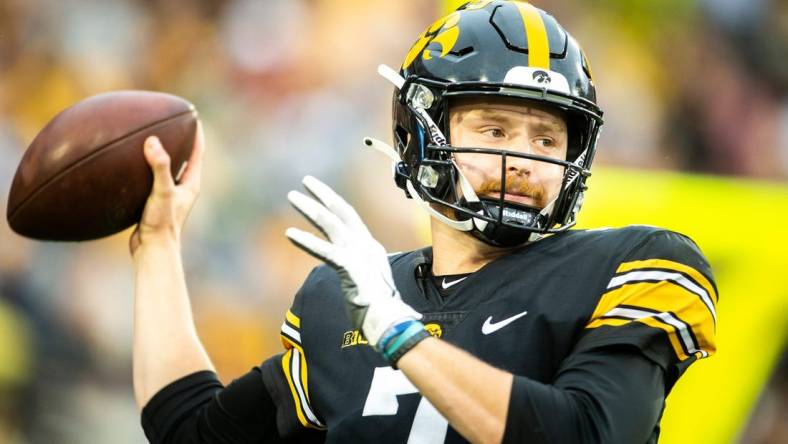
510,328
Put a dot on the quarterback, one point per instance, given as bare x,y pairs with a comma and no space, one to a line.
511,327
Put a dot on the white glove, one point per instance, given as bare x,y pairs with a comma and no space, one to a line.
372,300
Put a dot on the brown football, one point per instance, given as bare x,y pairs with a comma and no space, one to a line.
84,176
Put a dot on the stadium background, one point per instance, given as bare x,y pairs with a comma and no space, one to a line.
696,139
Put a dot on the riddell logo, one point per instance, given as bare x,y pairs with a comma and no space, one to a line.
541,77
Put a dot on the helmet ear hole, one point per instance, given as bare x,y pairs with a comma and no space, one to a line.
575,142
402,137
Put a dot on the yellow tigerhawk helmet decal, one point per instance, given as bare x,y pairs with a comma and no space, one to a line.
444,31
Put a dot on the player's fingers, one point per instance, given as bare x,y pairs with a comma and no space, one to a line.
335,203
318,215
159,161
192,176
319,248
134,241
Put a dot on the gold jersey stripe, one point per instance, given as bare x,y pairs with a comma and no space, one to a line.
303,377
656,275
286,369
651,322
293,319
536,36
614,322
663,296
670,265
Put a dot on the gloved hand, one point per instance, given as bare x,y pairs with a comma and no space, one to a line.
372,301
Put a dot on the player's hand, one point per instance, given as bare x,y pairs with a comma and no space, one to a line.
168,204
372,300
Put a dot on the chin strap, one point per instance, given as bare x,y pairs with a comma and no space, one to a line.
549,207
579,163
460,225
470,195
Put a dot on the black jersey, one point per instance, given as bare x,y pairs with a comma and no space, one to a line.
524,313
547,313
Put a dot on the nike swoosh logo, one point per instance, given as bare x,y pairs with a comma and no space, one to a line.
491,327
446,285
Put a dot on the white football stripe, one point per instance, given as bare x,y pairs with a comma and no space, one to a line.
657,275
295,374
290,331
681,327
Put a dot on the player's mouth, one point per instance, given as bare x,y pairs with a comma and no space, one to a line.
515,198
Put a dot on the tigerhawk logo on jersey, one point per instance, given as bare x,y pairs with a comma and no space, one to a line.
434,329
356,337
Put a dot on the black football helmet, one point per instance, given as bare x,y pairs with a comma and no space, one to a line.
491,48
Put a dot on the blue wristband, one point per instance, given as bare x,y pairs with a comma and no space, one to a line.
393,332
414,333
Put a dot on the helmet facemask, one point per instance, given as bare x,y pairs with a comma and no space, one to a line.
436,177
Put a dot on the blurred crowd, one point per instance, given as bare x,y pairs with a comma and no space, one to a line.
289,87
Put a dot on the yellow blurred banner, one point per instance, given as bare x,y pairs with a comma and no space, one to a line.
740,226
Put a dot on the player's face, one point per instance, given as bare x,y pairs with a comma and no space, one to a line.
512,125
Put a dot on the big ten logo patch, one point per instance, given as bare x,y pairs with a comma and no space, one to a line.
356,337
353,337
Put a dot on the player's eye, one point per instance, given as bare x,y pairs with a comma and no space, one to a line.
546,142
496,133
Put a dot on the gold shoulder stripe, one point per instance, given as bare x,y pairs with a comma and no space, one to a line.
679,348
663,296
670,265
614,322
660,275
536,36
293,319
295,368
290,330
659,271
664,305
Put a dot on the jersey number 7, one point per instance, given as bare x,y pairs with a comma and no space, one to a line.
429,426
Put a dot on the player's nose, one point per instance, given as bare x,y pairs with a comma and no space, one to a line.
517,164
